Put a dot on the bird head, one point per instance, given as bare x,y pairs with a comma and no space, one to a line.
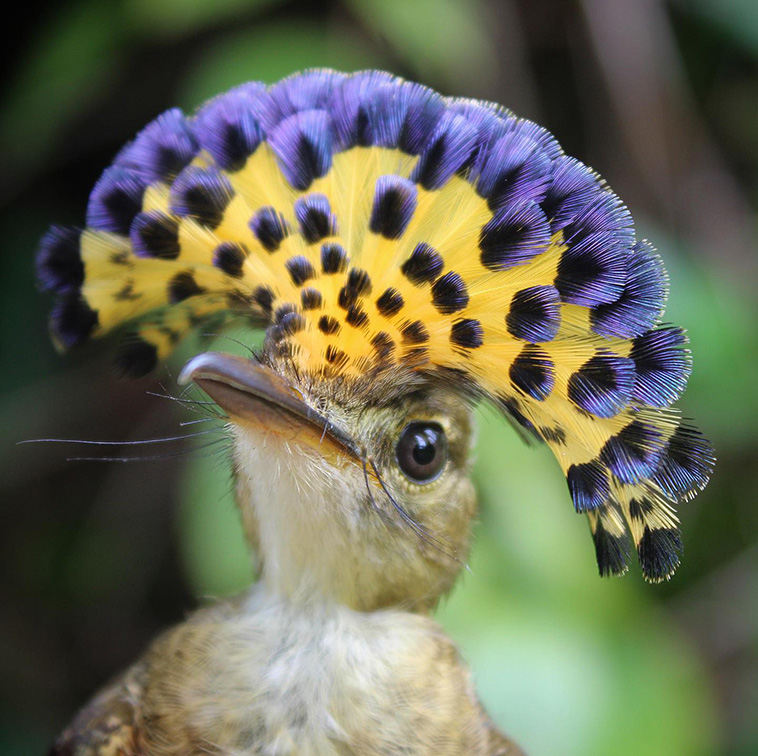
407,255
354,491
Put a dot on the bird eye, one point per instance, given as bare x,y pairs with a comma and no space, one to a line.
422,451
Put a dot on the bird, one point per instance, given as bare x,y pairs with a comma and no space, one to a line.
407,256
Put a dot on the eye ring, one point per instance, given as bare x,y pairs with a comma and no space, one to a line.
422,451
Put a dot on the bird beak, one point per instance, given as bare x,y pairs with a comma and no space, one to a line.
252,394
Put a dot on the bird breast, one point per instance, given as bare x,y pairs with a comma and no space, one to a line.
264,676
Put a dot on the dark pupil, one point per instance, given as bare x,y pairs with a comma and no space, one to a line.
424,451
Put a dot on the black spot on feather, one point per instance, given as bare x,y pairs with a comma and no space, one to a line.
423,266
389,303
356,316
311,299
269,227
588,484
300,269
202,194
182,286
314,216
553,435
611,551
415,333
287,308
658,552
603,385
334,356
72,320
59,264
229,257
639,509
126,293
358,284
467,333
333,258
291,323
264,298
136,358
449,293
383,344
394,203
328,325
156,234
534,314
533,372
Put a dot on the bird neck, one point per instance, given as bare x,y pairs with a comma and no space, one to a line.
318,540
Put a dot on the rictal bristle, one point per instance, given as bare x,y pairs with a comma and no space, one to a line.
368,222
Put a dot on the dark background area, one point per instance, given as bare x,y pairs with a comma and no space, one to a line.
97,557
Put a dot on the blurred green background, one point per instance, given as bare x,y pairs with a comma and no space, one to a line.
96,557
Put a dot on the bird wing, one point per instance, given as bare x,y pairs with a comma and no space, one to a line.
108,724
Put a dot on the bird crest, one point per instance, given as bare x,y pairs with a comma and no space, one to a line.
366,223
